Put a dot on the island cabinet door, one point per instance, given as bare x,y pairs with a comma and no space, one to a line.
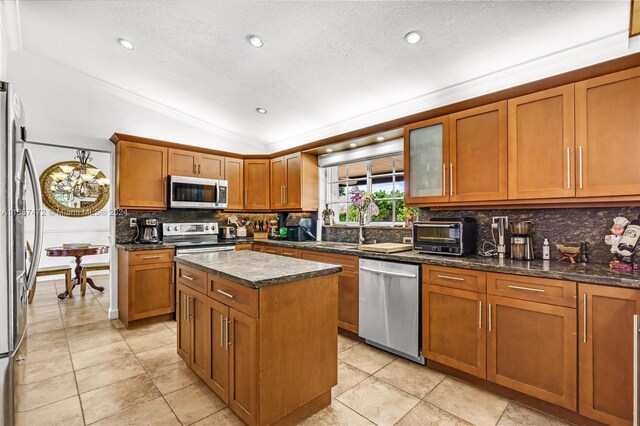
454,328
605,350
184,325
200,334
531,347
243,366
218,379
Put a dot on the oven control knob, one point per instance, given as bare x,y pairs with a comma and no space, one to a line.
175,228
206,228
168,228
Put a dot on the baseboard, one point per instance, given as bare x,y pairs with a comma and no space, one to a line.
113,314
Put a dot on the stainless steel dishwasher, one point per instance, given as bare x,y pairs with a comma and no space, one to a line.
390,307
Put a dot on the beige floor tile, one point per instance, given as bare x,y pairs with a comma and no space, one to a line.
95,314
410,377
118,324
172,377
66,412
154,412
105,374
142,330
193,403
345,343
100,355
519,415
79,330
378,401
336,414
44,346
151,341
222,418
348,377
366,358
159,357
106,401
46,326
52,315
425,414
47,300
93,340
52,367
173,325
472,404
36,311
46,391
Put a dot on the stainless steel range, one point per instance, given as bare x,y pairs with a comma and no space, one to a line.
195,237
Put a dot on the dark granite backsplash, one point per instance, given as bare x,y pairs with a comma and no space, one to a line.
588,225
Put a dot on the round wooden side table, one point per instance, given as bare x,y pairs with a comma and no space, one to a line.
78,253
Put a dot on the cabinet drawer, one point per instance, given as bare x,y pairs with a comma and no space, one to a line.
464,279
553,292
272,250
192,278
145,257
241,247
289,252
349,263
235,295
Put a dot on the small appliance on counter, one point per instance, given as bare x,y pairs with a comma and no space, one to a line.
452,236
299,229
227,232
521,240
148,231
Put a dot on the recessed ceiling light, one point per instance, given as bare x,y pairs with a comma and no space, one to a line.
380,138
413,37
255,41
261,110
353,145
329,150
126,44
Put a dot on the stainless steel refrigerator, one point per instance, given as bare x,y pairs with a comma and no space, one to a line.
20,189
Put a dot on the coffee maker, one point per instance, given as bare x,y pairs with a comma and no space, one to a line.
147,231
521,240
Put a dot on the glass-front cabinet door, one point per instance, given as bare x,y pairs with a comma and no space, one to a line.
426,150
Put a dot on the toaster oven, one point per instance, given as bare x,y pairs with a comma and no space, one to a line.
456,237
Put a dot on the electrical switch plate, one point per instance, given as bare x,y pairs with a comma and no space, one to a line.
133,222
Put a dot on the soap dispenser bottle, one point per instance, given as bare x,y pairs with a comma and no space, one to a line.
545,250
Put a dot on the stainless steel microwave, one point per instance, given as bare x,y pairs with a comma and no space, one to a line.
197,193
455,237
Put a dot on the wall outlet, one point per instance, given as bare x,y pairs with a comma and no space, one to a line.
133,222
407,240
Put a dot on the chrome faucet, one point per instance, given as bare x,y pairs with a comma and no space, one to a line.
361,236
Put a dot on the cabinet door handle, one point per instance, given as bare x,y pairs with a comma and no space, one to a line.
224,293
568,168
281,194
195,169
199,168
152,257
444,178
451,177
636,367
580,164
222,320
184,308
187,277
286,200
447,277
537,290
490,319
245,197
226,341
480,314
584,318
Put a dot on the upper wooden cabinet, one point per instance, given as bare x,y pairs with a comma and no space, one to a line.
256,184
541,145
141,178
426,159
234,171
608,134
294,182
605,352
191,163
478,154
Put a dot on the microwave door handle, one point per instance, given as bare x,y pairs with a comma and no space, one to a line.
37,195
217,193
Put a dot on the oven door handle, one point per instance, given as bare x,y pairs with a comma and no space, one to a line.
437,225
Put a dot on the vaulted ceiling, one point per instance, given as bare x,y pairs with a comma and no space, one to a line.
326,67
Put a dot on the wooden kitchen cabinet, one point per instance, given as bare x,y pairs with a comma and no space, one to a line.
184,325
294,182
218,379
211,166
608,134
426,161
256,185
541,144
192,163
478,154
605,351
141,176
243,366
454,328
271,250
194,330
531,347
348,286
234,174
146,286
244,247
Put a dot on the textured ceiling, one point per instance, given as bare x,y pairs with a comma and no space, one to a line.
322,63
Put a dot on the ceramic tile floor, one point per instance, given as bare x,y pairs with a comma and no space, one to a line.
84,369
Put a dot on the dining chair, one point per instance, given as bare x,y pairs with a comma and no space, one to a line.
88,267
49,271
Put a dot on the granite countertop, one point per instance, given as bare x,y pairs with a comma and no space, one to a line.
140,247
256,270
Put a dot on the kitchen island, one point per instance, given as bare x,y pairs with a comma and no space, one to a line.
260,330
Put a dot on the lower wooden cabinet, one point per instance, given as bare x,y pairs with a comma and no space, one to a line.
243,365
531,347
454,328
184,324
146,286
243,247
605,342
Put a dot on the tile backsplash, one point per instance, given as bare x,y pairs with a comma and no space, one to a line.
588,225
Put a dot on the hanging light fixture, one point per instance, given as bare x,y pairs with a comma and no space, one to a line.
78,181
